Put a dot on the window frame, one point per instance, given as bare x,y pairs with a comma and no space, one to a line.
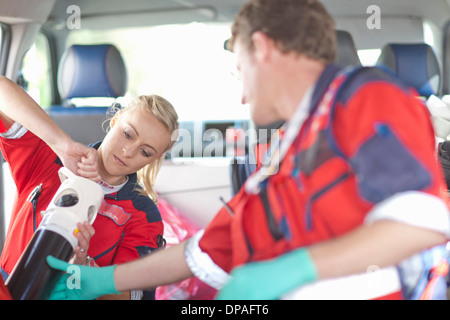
5,46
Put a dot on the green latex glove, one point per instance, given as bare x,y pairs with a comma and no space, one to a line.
81,282
270,279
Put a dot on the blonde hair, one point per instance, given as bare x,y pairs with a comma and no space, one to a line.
165,113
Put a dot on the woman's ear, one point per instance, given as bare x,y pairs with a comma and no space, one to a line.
113,120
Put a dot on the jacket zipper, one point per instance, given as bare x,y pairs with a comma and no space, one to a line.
270,218
321,192
247,240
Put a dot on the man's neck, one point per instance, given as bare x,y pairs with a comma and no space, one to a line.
300,74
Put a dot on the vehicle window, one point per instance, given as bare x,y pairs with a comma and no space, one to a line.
369,57
35,76
187,65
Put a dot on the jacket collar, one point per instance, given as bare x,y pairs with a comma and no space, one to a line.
328,74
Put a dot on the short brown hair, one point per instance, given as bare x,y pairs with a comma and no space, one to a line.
303,26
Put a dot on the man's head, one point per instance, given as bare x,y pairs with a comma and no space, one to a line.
281,48
302,26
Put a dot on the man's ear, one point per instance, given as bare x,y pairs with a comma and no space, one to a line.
262,45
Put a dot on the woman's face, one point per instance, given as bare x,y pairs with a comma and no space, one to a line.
136,139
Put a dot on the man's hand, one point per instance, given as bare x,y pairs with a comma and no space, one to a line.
270,279
81,282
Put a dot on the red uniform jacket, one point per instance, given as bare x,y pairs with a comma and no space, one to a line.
127,226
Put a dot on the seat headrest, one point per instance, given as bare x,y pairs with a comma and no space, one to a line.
416,64
92,71
347,54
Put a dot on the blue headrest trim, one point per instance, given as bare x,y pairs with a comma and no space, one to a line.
78,110
89,73
409,67
412,66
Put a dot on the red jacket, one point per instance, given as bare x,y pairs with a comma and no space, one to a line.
4,293
128,225
356,149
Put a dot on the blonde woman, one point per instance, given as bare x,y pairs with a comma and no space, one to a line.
128,224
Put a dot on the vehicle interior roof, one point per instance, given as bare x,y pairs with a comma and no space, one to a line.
401,19
218,10
176,11
226,10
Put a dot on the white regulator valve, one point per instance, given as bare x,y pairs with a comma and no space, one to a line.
77,200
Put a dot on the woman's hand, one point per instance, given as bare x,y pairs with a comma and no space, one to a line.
84,234
80,159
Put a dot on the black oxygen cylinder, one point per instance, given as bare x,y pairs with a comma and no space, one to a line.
32,278
77,200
